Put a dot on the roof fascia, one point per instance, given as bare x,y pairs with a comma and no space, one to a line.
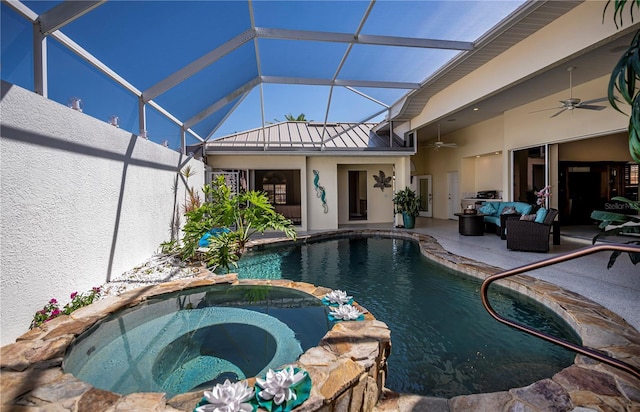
284,34
257,151
64,13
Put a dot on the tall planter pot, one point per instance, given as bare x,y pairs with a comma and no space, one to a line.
408,220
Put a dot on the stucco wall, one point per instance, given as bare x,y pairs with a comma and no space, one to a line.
82,201
543,48
519,129
487,172
379,202
333,176
591,150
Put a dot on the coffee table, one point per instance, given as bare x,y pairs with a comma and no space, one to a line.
470,224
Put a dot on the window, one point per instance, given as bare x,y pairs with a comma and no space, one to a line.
277,193
631,175
631,181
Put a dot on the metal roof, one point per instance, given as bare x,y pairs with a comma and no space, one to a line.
194,64
309,137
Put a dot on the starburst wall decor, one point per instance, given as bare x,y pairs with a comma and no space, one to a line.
382,181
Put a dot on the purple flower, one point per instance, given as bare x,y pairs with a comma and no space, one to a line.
55,313
73,295
53,301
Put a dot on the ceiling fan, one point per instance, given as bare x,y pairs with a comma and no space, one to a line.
573,102
439,143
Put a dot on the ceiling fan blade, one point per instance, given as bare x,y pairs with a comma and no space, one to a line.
591,107
558,112
600,99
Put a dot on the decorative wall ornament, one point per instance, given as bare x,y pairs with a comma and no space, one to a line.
320,192
382,181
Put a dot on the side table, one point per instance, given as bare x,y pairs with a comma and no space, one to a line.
470,224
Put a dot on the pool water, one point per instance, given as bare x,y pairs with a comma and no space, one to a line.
191,340
444,343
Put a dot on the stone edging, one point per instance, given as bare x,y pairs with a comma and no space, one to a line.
348,367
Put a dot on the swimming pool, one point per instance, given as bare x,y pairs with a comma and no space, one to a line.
444,343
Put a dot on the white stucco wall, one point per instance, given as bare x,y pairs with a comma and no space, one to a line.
82,201
333,171
547,47
517,129
379,202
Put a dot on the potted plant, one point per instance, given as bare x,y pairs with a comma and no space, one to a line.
407,202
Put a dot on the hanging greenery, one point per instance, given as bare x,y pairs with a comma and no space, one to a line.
625,76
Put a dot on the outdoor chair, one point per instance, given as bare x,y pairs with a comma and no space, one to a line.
530,236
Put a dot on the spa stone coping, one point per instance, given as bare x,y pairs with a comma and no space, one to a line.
348,367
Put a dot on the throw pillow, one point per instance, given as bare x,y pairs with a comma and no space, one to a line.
509,210
487,209
540,215
529,218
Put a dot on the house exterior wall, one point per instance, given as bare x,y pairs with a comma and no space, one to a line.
80,204
517,128
268,162
333,176
379,202
328,172
590,150
546,47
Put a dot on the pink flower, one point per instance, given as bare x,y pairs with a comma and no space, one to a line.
53,301
96,289
55,313
73,295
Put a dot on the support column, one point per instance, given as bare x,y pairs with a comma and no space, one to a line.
40,85
142,118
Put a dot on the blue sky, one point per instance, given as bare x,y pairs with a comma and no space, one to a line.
146,41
